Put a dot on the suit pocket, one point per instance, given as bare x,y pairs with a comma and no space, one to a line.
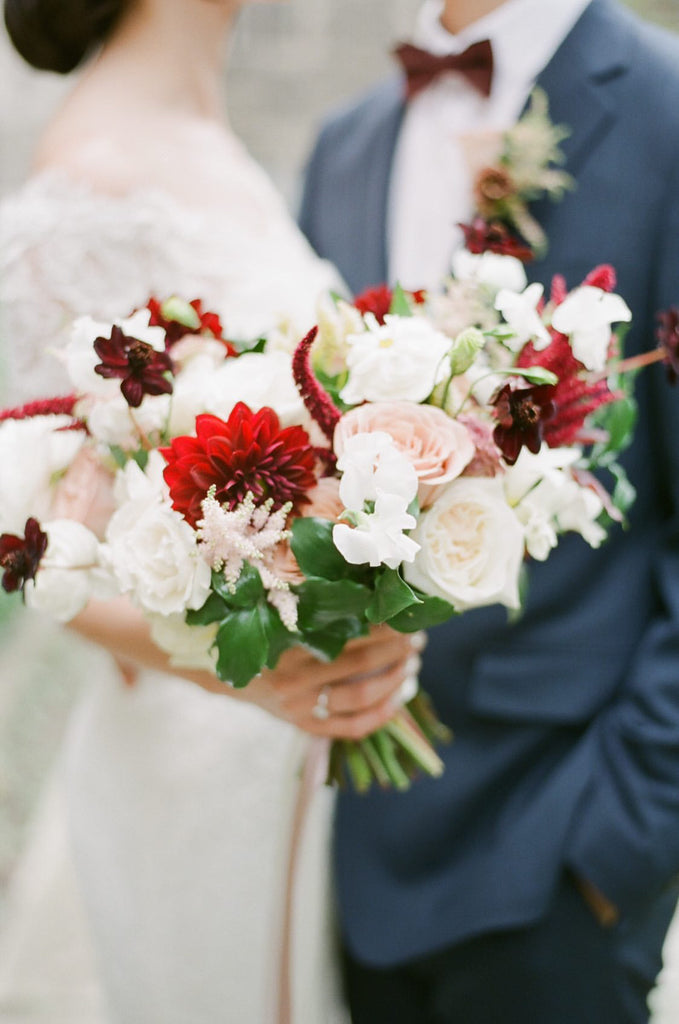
563,687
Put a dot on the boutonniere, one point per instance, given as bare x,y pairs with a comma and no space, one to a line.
510,171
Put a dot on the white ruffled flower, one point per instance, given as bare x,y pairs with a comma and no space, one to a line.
402,359
378,537
70,572
587,316
519,309
33,452
80,357
491,269
259,379
151,549
472,546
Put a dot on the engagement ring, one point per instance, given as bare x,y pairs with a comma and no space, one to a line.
321,711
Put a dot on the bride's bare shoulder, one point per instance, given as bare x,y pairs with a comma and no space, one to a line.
116,148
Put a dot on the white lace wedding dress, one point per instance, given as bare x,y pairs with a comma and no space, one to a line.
180,801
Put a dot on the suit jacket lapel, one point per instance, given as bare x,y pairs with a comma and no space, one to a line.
596,51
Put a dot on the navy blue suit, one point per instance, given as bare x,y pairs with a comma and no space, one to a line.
566,751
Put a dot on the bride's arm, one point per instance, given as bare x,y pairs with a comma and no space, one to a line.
361,685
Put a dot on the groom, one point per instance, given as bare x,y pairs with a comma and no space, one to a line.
533,883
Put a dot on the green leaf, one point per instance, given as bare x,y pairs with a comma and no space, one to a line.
242,646
119,456
392,595
399,303
624,493
431,612
214,610
533,374
324,602
181,311
315,551
328,643
247,592
141,457
278,637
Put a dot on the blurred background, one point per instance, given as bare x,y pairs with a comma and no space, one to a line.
290,63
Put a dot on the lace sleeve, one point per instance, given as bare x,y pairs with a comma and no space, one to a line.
67,251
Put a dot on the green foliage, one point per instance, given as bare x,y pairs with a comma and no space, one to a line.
400,306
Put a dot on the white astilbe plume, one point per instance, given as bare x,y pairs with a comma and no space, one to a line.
248,533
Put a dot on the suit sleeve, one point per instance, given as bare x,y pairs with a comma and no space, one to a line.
625,837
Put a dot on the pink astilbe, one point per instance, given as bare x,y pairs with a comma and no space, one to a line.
317,401
248,533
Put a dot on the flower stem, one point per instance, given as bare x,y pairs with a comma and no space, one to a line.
405,732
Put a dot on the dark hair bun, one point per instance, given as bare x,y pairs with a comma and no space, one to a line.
55,35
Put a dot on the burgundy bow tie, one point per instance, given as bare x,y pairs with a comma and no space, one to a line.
421,67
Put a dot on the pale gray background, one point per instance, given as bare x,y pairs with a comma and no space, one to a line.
290,63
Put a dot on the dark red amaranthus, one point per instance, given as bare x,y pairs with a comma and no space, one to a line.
62,406
575,396
317,401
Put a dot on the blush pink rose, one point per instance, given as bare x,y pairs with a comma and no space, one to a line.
438,447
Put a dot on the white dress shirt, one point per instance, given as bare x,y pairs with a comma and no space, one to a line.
431,183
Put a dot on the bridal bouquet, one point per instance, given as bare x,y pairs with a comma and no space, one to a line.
397,467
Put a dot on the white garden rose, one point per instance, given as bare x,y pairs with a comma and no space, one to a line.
402,359
587,316
188,646
113,422
70,572
490,269
33,452
151,549
258,379
471,546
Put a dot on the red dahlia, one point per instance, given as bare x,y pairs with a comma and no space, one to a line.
21,556
249,452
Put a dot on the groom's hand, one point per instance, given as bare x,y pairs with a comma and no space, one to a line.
348,698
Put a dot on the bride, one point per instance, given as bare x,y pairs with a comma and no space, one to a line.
180,791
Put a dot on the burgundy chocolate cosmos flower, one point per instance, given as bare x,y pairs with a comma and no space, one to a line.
521,414
20,556
141,367
667,335
204,322
481,236
249,452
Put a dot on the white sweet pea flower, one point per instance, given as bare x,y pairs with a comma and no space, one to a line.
587,316
150,548
33,452
519,309
472,546
371,464
378,538
70,572
80,357
491,269
402,359
549,501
